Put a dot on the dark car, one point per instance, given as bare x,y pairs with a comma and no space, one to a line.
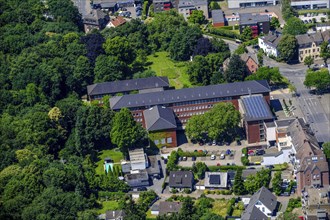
165,161
201,143
227,143
138,8
180,158
138,13
193,158
269,166
285,194
260,152
238,142
142,189
209,143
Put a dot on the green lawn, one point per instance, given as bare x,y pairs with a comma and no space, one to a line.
149,215
175,71
108,205
220,207
114,154
301,12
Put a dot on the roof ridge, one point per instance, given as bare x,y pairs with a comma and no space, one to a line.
161,78
258,81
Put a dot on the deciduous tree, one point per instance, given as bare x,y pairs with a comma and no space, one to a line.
294,26
287,48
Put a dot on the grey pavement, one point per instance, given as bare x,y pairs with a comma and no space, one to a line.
310,105
83,6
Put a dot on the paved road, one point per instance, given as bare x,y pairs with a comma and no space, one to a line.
310,105
83,6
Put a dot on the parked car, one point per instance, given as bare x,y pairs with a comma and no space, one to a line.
138,8
142,189
180,158
138,13
213,157
209,143
184,158
214,143
228,152
222,156
227,143
251,153
165,161
260,152
238,142
218,164
201,143
285,194
269,166
193,158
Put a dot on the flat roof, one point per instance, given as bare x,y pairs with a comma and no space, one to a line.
256,108
216,179
137,155
249,18
190,94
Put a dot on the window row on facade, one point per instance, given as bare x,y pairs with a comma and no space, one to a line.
164,141
201,101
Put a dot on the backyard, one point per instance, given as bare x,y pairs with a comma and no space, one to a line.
108,205
114,154
175,71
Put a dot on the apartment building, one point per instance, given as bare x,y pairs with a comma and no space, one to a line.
309,45
310,4
251,3
186,7
164,5
257,22
269,44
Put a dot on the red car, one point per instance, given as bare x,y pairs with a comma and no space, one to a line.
251,153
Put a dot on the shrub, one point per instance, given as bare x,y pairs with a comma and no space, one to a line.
224,33
187,191
174,191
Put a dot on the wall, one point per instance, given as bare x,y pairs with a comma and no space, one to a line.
219,24
271,134
252,132
236,3
269,50
313,51
158,135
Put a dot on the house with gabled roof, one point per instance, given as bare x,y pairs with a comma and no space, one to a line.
263,204
181,180
161,125
116,22
96,19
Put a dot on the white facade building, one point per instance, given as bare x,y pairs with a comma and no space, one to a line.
310,4
269,44
250,3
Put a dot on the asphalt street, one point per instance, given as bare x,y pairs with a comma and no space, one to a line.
309,104
83,6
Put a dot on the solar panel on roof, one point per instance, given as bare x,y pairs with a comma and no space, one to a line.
215,179
256,107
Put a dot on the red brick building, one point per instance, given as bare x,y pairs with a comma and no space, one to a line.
310,164
190,101
255,113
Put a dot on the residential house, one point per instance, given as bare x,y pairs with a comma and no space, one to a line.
138,178
251,3
259,24
115,215
186,7
310,4
231,177
181,180
143,85
263,205
269,44
161,125
96,19
116,22
310,164
189,101
309,45
250,60
138,159
218,19
163,5
255,112
166,208
216,180
316,203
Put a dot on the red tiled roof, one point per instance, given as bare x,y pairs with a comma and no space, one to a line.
118,21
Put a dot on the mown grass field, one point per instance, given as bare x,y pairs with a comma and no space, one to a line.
220,207
108,205
114,154
161,63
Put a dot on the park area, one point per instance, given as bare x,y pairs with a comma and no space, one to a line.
161,63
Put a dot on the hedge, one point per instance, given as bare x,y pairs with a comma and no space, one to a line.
231,206
245,161
224,33
225,168
111,195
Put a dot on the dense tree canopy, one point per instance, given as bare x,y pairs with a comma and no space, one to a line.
294,26
219,123
236,70
287,48
318,79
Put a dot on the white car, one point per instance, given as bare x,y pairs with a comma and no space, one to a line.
222,156
212,157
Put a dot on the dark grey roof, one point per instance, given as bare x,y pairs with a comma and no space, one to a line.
190,94
191,3
169,207
231,174
253,213
114,214
256,108
272,39
270,124
108,5
217,16
181,179
137,179
284,122
249,18
306,40
127,85
265,196
154,166
159,118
